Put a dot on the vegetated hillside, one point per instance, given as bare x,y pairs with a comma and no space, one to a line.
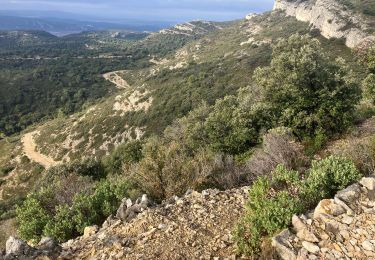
252,102
204,70
10,39
63,74
54,77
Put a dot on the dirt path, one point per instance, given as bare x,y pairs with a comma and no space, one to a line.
116,79
29,147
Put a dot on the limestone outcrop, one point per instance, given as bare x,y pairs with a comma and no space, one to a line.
332,19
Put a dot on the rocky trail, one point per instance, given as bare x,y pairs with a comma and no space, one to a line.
29,147
197,226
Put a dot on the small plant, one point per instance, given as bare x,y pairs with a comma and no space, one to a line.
269,209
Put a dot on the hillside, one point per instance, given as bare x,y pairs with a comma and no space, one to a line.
280,103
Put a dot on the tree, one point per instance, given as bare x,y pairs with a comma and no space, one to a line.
307,91
369,82
229,128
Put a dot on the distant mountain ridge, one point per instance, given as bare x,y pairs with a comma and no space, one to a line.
60,26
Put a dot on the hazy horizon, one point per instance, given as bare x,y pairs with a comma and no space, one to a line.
154,10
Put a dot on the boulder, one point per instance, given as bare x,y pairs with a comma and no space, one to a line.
128,211
49,247
350,194
15,246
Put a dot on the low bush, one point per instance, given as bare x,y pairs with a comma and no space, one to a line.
361,152
270,207
328,176
124,156
279,147
273,201
43,213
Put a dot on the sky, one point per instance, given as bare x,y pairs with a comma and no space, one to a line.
152,10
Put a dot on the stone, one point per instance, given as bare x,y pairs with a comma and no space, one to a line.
337,210
48,244
347,220
306,235
280,244
310,247
338,201
17,247
368,183
162,226
332,227
350,194
297,223
345,234
367,245
89,231
323,208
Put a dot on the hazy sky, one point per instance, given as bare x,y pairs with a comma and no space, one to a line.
162,10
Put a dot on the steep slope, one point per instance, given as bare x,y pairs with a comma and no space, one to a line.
204,70
333,19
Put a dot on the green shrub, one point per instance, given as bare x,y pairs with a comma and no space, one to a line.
272,202
267,211
61,226
307,91
32,218
124,155
49,212
328,176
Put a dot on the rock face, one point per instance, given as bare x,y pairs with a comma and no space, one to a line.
331,18
196,226
339,228
18,249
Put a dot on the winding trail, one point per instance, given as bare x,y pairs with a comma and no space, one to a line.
29,147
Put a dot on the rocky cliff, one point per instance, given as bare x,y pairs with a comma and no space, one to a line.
332,19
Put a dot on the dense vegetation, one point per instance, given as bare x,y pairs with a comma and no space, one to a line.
45,76
218,146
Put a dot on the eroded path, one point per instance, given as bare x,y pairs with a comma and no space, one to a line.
116,79
29,147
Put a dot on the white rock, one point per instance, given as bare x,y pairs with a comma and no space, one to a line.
367,245
312,248
368,183
330,18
